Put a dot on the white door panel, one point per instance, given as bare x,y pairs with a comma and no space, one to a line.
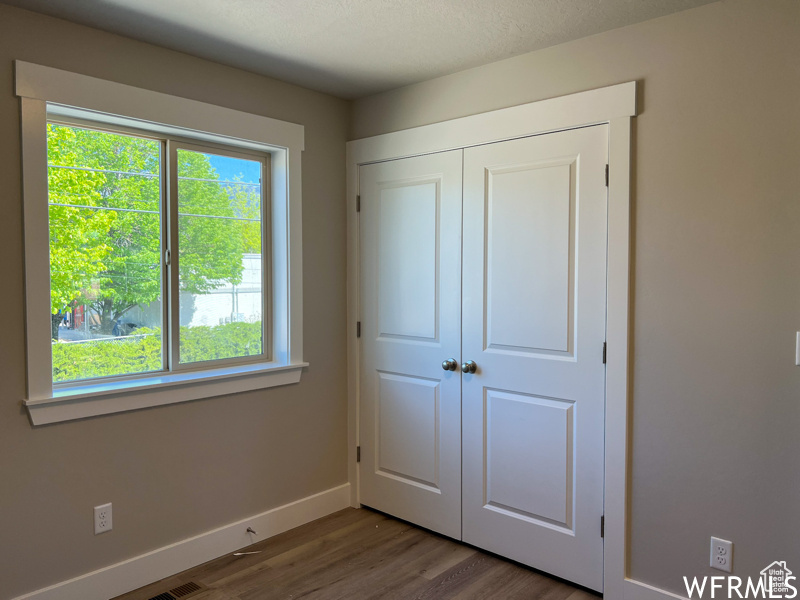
540,275
410,419
407,281
534,322
525,426
512,455
407,424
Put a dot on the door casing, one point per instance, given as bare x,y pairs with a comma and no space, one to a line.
615,105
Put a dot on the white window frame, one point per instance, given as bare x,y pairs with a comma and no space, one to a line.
45,93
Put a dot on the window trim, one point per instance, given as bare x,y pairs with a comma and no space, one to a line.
45,93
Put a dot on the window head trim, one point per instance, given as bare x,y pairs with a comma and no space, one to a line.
45,93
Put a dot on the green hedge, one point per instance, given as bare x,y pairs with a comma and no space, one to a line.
222,341
141,352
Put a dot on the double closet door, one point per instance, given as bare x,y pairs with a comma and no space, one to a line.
483,306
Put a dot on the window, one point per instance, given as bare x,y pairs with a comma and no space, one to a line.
220,272
171,236
116,289
106,276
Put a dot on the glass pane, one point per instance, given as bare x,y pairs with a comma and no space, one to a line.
104,195
219,242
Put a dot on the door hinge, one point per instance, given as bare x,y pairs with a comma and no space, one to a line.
358,203
604,352
358,454
606,175
603,526
358,329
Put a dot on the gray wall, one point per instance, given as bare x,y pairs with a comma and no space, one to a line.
716,397
716,275
176,471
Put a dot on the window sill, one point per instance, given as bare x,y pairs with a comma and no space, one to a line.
91,400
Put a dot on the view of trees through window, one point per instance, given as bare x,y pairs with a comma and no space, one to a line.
219,237
107,218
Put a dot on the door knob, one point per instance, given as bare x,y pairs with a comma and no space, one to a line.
450,364
469,366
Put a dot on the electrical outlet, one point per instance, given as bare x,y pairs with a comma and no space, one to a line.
102,518
721,554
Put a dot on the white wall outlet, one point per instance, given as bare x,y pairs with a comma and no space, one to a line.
721,554
102,518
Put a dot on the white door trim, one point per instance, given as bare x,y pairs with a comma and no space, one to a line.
615,105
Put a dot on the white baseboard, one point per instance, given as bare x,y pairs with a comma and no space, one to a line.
636,590
147,568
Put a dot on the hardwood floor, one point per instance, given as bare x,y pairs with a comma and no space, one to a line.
360,554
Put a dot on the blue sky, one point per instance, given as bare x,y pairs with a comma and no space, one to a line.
228,168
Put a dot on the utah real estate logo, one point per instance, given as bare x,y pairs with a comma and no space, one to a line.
776,581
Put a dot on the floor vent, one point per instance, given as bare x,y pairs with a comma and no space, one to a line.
185,589
182,591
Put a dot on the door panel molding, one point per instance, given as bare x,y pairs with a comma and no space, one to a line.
546,506
409,208
615,106
391,458
552,329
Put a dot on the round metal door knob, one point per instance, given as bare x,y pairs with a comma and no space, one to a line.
450,364
469,366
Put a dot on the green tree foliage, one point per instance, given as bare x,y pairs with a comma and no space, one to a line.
105,248
78,236
210,248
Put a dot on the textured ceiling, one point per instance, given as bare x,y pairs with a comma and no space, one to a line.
353,48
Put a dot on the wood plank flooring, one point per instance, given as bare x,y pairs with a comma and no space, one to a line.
359,555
